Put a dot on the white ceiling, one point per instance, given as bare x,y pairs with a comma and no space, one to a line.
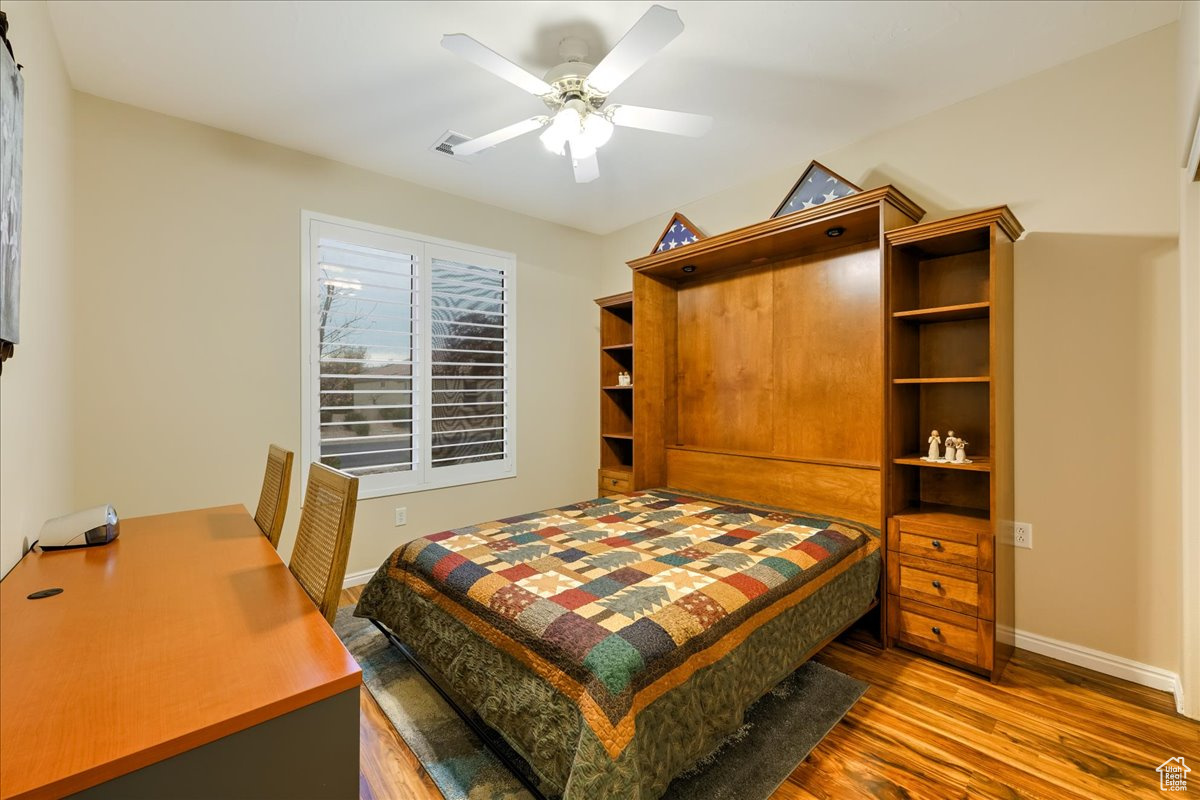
368,84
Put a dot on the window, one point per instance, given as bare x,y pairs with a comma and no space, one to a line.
407,357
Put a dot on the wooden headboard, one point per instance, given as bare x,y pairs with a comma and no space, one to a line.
759,360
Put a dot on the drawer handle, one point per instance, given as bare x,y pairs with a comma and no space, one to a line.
613,481
936,630
937,584
936,544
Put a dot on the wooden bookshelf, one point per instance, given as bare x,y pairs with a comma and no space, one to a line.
949,362
616,401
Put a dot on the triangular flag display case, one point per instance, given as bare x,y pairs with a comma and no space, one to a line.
679,232
817,185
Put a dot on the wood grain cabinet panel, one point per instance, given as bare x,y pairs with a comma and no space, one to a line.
827,358
725,374
958,637
937,547
615,481
835,490
962,589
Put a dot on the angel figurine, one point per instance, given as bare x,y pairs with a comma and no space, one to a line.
960,451
951,442
934,442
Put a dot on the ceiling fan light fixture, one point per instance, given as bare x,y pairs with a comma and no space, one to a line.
597,130
585,131
554,140
566,126
576,92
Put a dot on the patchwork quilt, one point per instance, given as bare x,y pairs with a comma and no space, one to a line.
614,601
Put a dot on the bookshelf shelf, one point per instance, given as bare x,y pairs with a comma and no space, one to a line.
982,464
946,313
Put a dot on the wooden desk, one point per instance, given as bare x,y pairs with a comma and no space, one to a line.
187,645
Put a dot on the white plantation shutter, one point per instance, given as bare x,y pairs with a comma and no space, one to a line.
366,314
408,359
469,374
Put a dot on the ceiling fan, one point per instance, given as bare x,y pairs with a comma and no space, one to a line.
576,93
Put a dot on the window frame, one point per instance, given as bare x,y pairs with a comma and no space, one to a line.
424,475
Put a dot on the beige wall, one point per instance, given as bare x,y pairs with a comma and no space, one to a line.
1084,154
36,390
1189,280
189,323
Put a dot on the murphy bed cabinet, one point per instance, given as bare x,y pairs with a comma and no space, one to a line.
950,367
759,361
802,361
616,401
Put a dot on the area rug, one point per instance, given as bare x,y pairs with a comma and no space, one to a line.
779,732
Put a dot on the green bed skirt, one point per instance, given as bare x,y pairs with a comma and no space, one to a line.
672,733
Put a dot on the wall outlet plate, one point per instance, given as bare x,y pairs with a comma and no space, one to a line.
401,516
1023,535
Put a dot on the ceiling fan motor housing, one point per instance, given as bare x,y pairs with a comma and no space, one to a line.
568,82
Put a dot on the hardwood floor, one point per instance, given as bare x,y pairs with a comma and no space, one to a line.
923,730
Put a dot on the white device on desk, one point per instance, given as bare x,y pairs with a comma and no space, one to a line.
94,526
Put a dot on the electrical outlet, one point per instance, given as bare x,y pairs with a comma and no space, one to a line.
401,516
1023,535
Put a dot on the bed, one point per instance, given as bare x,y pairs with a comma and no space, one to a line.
616,641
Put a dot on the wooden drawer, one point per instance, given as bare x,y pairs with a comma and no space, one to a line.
962,589
612,480
965,547
966,640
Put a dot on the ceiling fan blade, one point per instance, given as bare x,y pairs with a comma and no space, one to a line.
473,146
586,169
656,119
651,33
464,46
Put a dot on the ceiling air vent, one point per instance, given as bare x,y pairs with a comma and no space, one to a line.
446,142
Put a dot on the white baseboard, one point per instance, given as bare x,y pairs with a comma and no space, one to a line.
1106,663
358,578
